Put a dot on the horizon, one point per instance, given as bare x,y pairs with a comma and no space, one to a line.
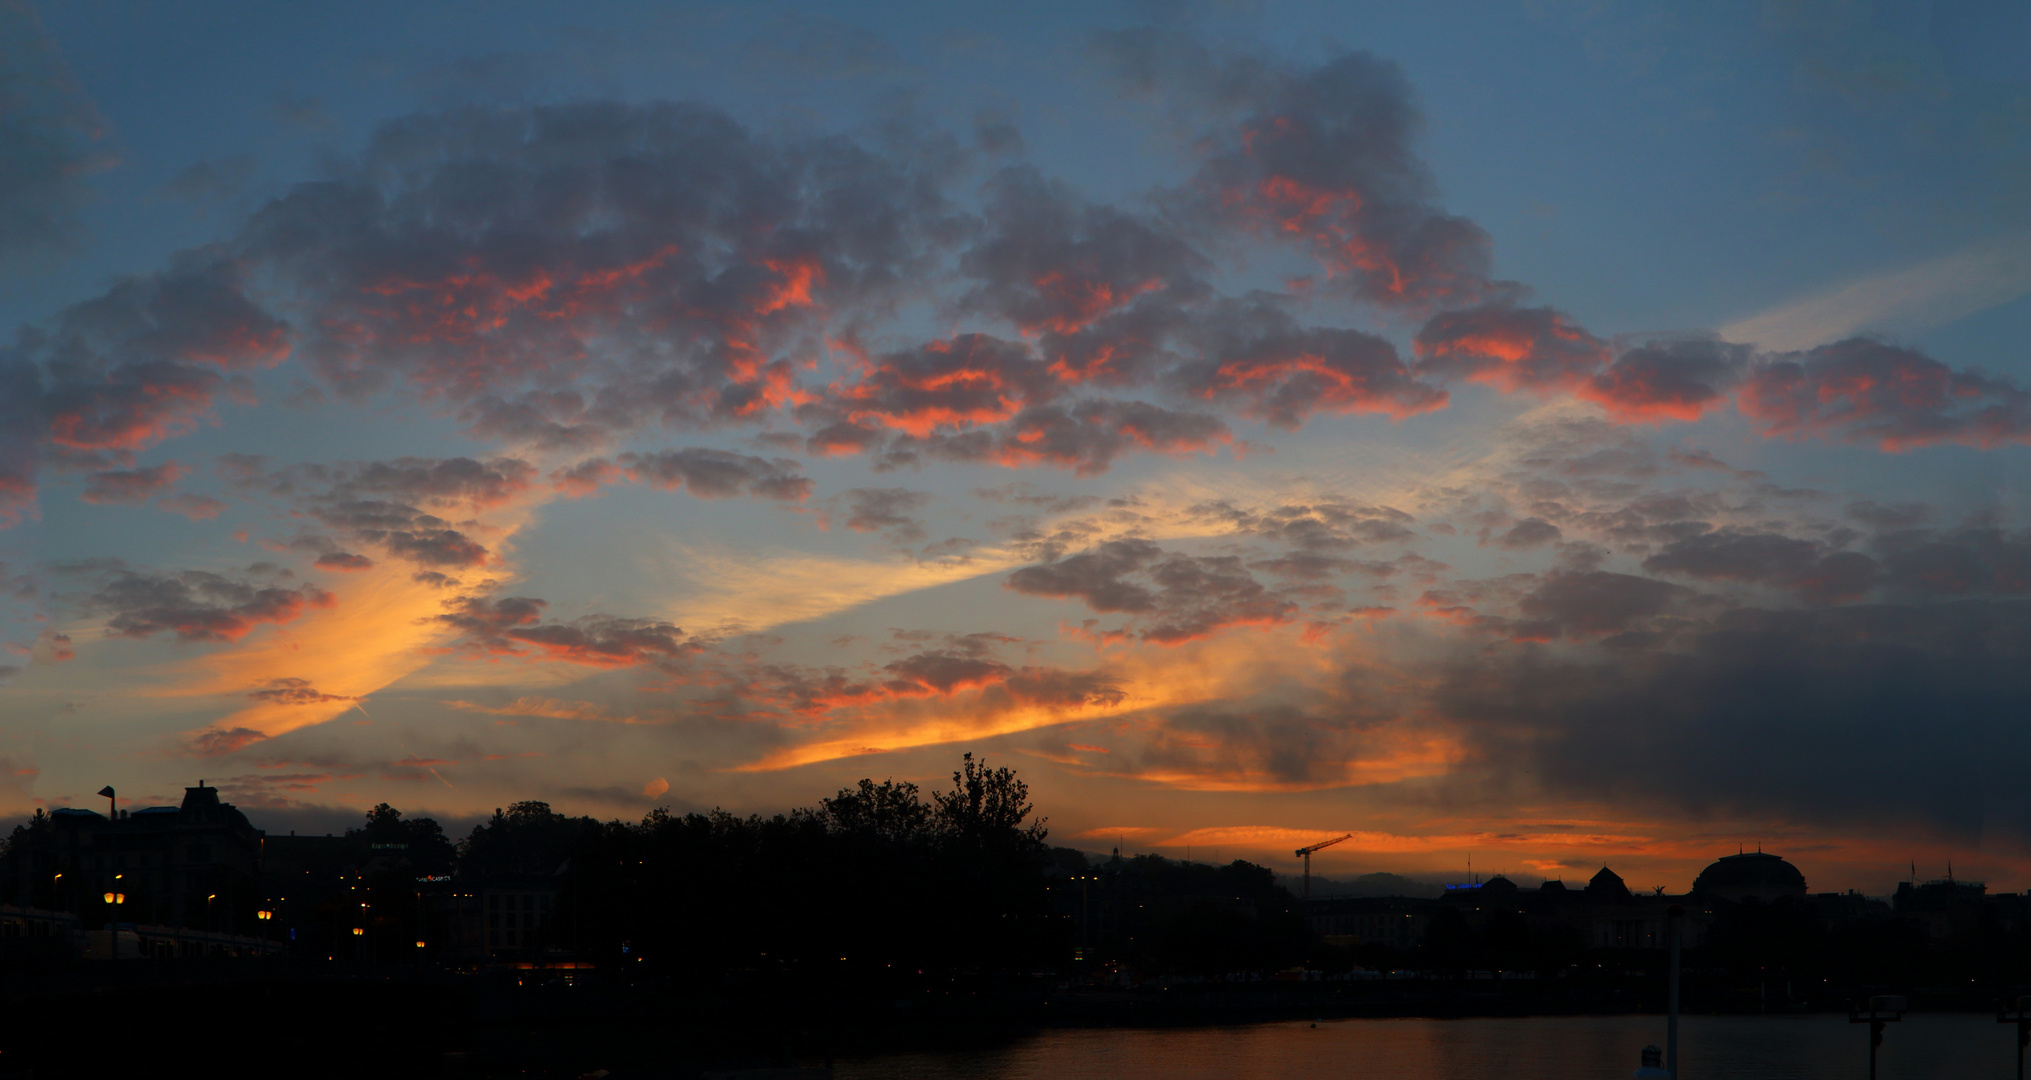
1552,436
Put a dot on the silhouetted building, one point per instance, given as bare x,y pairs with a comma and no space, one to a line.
27,932
196,865
1606,887
1944,906
1749,876
1396,922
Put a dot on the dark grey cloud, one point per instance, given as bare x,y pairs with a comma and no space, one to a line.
131,486
1601,602
1171,597
1863,390
1899,717
1322,156
892,509
1529,533
47,134
294,691
1813,569
1965,562
515,625
194,605
1321,524
718,474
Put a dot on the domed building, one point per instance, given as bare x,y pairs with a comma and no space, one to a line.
1751,876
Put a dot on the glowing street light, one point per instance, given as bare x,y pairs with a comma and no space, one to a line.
264,916
116,898
358,931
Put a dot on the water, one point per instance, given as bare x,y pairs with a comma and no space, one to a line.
1929,1047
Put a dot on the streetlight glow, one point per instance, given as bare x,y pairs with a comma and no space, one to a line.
357,931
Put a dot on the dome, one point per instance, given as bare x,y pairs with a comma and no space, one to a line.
1752,875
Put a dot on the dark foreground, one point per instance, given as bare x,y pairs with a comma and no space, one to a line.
310,1019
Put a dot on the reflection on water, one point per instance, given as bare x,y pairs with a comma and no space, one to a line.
1539,1048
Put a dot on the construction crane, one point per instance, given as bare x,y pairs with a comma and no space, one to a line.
1307,853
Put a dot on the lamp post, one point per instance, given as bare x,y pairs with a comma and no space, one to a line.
2020,1015
1883,1009
1674,921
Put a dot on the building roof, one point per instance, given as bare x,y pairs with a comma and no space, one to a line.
1607,885
1750,873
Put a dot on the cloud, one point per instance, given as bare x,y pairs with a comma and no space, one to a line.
1283,748
1085,438
547,708
292,691
130,486
1171,598
1667,380
195,507
1861,390
1965,562
1513,349
1599,601
47,131
1320,157
1885,716
1282,375
52,647
718,474
875,509
381,503
196,605
1053,264
1810,568
514,626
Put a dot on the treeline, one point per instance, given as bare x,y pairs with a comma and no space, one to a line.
879,882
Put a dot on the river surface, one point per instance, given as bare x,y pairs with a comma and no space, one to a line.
1819,1047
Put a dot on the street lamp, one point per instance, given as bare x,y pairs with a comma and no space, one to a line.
2019,1015
1883,1009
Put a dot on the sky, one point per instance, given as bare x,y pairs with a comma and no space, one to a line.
1550,434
